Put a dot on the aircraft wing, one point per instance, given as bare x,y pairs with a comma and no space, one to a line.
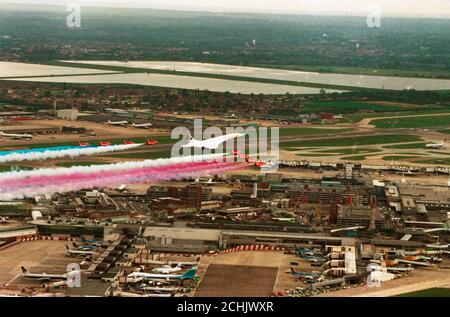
214,143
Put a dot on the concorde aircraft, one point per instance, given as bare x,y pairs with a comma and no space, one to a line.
212,143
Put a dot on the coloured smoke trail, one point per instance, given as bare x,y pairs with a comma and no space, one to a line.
60,152
23,184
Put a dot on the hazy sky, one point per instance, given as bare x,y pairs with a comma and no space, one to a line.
388,7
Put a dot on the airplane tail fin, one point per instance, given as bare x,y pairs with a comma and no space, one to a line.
24,269
190,274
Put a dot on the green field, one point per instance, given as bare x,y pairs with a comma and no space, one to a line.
161,140
446,131
309,131
358,117
406,146
413,122
349,151
437,161
70,164
344,107
353,141
397,157
431,292
354,158
142,155
9,168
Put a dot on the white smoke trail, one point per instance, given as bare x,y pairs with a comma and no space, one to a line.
106,167
49,154
169,172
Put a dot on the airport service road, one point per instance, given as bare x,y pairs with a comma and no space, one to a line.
365,123
420,279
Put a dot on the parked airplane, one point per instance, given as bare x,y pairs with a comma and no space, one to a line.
104,143
190,274
3,220
91,241
16,136
84,144
212,143
73,252
305,275
128,142
85,247
166,269
122,123
436,145
42,276
304,251
142,125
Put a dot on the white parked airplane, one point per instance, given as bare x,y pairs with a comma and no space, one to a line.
440,145
166,269
142,125
16,136
42,276
212,143
4,220
73,252
117,122
190,274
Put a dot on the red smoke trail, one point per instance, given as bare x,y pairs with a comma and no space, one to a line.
28,187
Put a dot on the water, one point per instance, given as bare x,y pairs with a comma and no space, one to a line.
379,82
184,82
8,69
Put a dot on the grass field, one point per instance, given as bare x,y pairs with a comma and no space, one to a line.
9,168
437,161
446,131
349,151
432,292
353,141
413,122
70,164
406,146
352,107
397,157
358,117
309,131
161,140
354,158
142,155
